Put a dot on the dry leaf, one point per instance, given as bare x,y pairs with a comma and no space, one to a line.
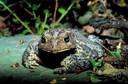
53,81
88,29
64,78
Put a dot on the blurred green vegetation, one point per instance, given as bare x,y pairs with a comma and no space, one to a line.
35,17
27,16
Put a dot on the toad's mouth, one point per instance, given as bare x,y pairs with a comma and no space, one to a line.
53,60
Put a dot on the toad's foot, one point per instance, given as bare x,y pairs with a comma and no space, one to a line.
31,61
31,64
120,76
73,64
60,70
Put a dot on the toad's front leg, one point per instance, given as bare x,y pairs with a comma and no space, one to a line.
30,58
73,64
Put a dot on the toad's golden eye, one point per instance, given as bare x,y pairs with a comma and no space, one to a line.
66,39
43,40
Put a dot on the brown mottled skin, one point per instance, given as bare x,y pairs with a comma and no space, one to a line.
67,48
55,41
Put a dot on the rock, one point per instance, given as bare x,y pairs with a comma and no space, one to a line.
85,18
88,29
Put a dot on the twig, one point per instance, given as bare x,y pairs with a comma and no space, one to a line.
104,47
43,24
62,16
28,11
56,7
31,13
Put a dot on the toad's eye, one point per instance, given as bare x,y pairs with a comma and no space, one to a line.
66,39
43,40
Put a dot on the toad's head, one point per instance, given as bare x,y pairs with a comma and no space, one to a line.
57,40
